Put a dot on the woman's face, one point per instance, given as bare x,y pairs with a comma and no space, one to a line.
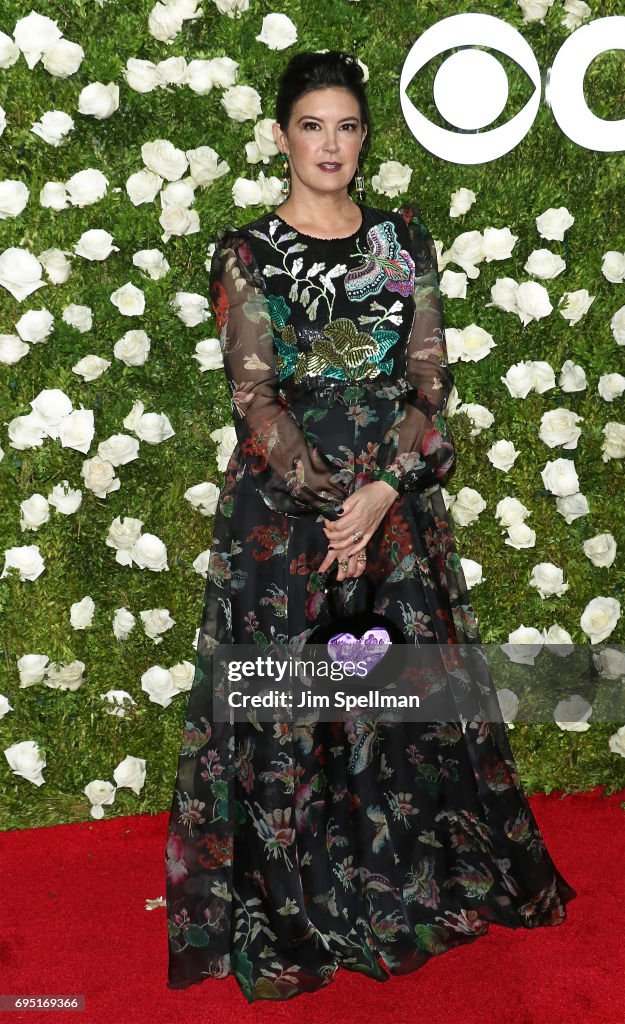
324,128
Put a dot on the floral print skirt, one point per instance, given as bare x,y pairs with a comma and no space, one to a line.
296,849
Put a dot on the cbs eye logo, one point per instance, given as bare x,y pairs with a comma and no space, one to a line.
471,87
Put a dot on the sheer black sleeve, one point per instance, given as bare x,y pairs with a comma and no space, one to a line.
425,449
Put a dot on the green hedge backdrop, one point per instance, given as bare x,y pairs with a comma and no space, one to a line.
78,739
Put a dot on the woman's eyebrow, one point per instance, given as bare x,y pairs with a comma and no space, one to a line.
313,117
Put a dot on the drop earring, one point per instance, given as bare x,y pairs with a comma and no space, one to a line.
286,183
360,184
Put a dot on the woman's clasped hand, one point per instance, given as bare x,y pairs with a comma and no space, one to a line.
348,536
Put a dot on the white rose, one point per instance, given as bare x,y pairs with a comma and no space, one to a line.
159,685
9,52
511,512
191,308
143,187
20,272
572,506
35,511
12,349
473,573
600,617
461,202
76,430
123,623
224,71
616,742
178,221
142,75
65,499
164,22
263,147
600,549
518,380
178,193
25,431
521,536
543,376
171,71
572,377
560,477
454,285
392,178
524,645
242,103
13,198
130,773
205,167
52,127
576,306
554,222
278,32
502,455
35,326
99,792
246,193
204,497
32,669
86,187
226,438
610,663
164,159
504,294
81,613
122,536
560,639
467,250
98,100
477,343
208,354
182,675
153,262
532,302
51,405
129,300
133,348
613,266
90,367
548,580
467,506
149,552
56,265
577,11
119,449
610,386
613,446
498,243
233,8
156,621
63,58
99,476
271,189
79,317
26,559
455,344
95,244
544,264
481,417
572,715
200,77
53,196
617,324
118,700
153,428
34,34
25,760
558,427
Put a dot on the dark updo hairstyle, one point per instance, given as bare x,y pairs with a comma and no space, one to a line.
310,70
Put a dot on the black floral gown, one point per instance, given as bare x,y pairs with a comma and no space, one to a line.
294,849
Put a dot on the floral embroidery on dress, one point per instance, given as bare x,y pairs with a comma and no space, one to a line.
386,265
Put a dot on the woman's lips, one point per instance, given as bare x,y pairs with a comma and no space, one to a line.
329,168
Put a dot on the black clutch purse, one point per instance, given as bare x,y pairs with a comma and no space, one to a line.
366,638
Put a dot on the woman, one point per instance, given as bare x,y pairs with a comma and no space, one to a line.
295,850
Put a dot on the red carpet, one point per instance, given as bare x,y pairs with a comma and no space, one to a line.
74,923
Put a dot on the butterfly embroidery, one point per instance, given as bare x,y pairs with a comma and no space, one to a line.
385,265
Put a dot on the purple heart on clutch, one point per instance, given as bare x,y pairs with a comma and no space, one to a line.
369,648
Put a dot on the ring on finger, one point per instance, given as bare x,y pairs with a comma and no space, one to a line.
358,536
361,557
343,563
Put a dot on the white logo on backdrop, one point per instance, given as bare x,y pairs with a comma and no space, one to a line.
471,87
